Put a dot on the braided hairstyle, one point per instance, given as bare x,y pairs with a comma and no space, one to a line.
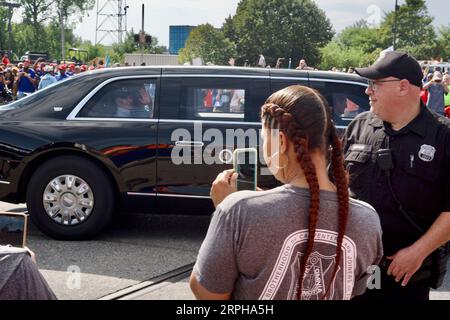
304,116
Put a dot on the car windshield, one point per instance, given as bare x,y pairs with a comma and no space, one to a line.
39,94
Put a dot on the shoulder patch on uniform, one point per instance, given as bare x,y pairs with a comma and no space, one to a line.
426,153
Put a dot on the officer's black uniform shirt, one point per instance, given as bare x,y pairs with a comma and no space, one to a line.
420,179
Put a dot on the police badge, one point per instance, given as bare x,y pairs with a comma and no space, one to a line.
426,153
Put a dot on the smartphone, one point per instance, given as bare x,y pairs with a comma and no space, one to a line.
245,164
13,229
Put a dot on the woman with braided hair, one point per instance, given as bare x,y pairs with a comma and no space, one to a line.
303,240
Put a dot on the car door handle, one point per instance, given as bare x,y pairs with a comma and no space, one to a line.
189,144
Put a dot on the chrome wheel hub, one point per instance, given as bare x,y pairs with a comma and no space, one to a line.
68,200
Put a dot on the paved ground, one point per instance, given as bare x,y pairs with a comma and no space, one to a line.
134,249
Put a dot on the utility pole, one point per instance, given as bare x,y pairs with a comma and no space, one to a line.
10,6
110,20
394,31
142,35
126,19
61,22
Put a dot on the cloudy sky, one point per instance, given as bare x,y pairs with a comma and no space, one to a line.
160,14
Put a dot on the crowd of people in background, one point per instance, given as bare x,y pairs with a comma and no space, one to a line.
436,91
23,78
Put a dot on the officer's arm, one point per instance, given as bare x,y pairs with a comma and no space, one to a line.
437,235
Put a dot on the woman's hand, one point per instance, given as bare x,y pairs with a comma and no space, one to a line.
32,254
224,185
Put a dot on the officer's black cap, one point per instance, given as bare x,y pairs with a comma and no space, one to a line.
394,64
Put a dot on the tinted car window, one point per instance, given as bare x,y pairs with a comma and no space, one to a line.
214,98
123,99
54,102
215,102
345,100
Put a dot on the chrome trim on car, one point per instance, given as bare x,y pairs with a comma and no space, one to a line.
189,144
4,182
170,121
209,75
167,195
210,121
362,84
117,119
141,194
182,196
320,79
288,78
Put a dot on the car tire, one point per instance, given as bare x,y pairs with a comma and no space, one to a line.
83,173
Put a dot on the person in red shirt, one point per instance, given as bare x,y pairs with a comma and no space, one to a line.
5,60
424,92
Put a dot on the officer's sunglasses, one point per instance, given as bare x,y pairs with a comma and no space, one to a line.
372,83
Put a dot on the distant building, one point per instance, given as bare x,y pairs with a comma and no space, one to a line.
177,37
136,59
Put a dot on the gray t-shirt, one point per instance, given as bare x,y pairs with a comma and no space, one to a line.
256,239
20,278
436,98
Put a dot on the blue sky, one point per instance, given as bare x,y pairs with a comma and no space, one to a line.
159,14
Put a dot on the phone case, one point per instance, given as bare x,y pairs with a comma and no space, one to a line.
25,224
254,153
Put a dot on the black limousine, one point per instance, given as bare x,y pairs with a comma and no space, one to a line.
147,139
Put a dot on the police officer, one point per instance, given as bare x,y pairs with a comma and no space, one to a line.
398,158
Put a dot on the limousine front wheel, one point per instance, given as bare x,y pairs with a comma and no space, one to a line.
70,198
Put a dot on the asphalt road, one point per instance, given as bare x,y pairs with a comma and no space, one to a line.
135,248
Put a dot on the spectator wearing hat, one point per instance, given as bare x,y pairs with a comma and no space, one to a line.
62,73
77,70
397,155
71,71
436,91
83,68
47,79
8,78
25,81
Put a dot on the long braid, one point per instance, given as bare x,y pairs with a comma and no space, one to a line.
277,117
304,158
340,177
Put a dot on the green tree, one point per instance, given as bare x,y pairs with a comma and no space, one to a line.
35,14
49,39
3,28
47,24
278,28
443,43
414,32
336,55
208,43
361,36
